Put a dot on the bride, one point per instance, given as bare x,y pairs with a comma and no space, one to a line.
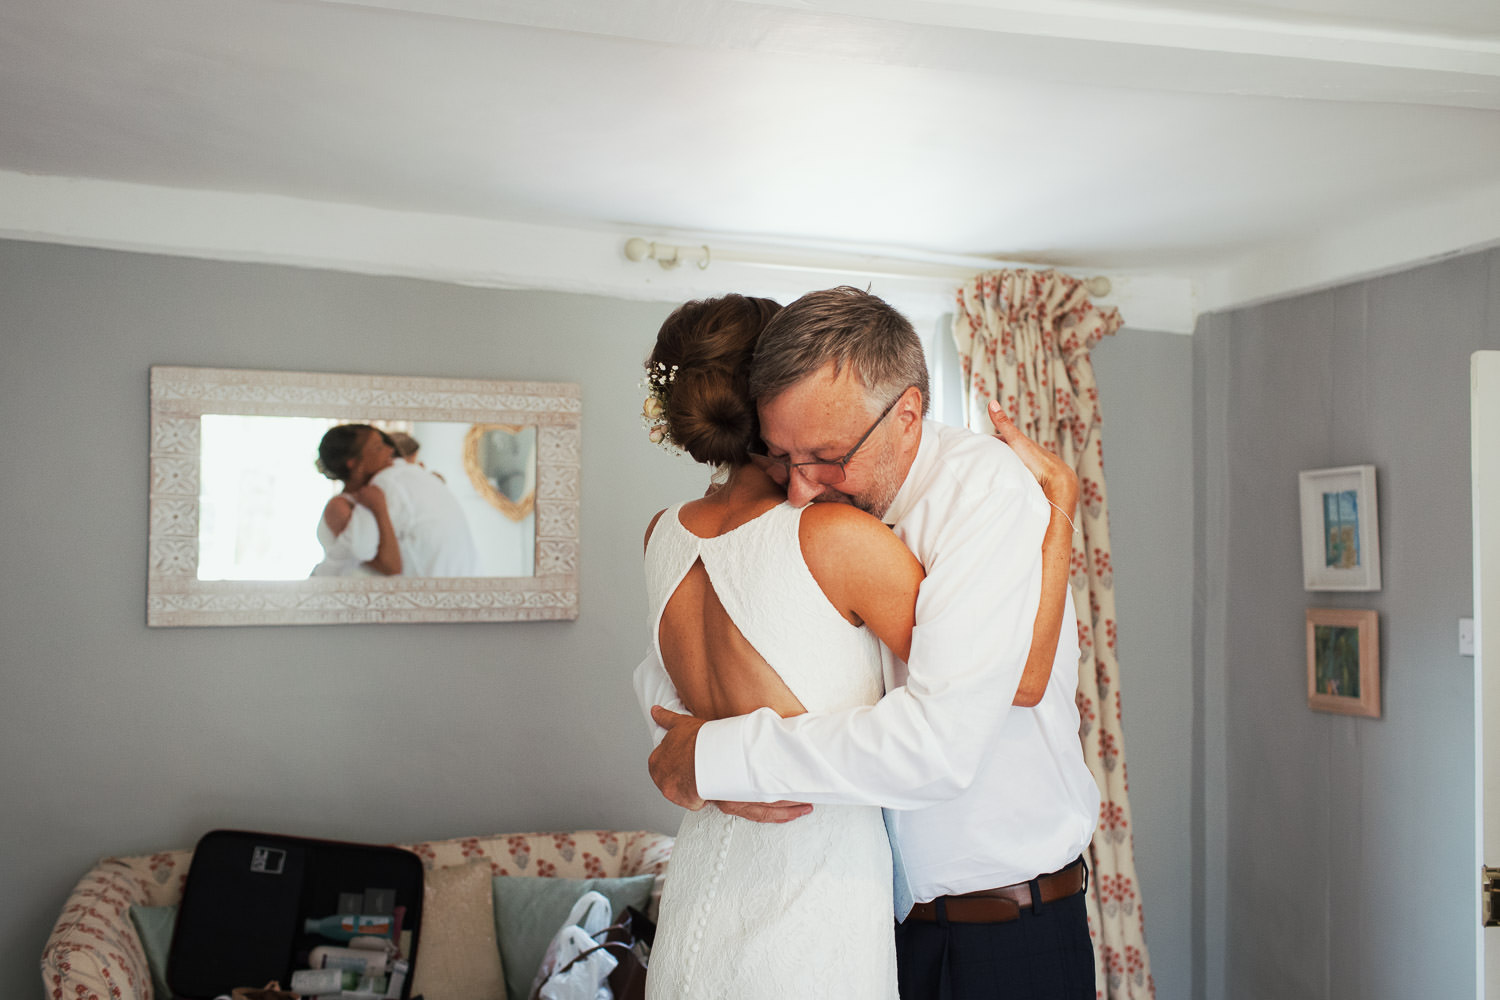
736,581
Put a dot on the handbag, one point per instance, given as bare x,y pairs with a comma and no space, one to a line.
629,943
635,933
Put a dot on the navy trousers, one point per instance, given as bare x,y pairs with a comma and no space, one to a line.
1044,954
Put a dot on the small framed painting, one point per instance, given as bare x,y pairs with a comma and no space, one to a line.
1340,529
1343,661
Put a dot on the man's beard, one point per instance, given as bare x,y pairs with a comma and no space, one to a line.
885,483
877,499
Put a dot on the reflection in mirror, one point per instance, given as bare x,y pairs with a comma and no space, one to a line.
261,498
501,462
237,504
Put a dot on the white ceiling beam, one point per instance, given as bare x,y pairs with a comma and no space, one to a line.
1077,42
1344,40
492,253
1394,241
270,229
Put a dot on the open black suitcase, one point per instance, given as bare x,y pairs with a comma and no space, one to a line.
241,922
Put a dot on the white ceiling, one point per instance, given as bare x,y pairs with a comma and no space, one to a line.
1212,153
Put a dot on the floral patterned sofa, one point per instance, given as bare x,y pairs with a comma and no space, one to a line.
95,954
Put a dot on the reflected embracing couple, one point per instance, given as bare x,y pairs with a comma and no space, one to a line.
393,517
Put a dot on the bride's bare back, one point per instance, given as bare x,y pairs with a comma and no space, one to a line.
717,672
868,576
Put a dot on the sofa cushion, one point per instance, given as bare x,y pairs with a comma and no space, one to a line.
457,955
530,911
153,925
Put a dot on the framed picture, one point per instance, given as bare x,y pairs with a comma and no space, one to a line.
1343,661
1340,536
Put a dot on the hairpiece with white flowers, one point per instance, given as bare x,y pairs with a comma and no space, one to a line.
658,386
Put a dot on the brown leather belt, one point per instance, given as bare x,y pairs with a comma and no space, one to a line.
995,906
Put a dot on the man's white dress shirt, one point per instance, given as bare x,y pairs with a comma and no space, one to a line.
991,794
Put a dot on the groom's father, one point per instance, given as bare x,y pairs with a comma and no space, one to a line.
991,806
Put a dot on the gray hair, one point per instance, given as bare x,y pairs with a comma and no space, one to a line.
848,327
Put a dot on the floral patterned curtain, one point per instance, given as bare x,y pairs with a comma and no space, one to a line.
1024,338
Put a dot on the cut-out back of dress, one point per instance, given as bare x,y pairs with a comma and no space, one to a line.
758,573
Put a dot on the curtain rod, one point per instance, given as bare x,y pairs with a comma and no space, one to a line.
669,255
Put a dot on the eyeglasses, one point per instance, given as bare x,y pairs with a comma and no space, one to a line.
824,473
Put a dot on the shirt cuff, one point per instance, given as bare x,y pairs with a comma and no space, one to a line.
719,761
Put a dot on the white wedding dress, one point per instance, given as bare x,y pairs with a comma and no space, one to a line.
799,909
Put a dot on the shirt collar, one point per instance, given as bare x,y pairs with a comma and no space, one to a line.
907,494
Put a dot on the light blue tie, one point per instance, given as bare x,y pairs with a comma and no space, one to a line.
900,887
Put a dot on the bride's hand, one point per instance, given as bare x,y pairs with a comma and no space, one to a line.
1059,481
372,497
765,812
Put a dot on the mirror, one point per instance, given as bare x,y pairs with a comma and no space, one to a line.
238,532
260,499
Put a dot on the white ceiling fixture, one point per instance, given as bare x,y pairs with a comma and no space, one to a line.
668,256
1225,153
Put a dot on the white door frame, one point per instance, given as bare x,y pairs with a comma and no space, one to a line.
1484,446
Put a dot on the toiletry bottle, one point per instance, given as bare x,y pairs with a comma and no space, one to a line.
324,981
399,969
343,926
362,960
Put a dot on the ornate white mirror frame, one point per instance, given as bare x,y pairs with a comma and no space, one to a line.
181,396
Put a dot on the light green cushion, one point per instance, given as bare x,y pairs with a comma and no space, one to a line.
530,910
154,926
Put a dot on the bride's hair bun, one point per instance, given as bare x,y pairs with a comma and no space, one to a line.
709,412
710,416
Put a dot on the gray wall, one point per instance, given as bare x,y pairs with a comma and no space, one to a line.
1145,392
1337,851
120,739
